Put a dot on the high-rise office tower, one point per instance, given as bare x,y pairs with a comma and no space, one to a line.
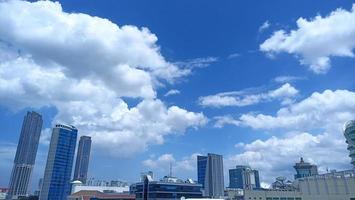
25,155
349,133
201,169
244,177
57,175
213,170
82,159
305,169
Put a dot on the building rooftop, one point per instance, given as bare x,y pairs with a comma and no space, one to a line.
87,194
66,126
348,124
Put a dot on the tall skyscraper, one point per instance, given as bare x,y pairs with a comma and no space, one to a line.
57,175
25,155
213,179
244,177
82,159
349,133
305,169
201,169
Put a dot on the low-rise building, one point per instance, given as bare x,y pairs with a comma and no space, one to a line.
330,186
244,177
97,195
272,195
166,188
78,186
305,169
3,192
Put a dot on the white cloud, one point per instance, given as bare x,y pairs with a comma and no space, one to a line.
285,93
84,45
172,92
233,55
276,156
7,152
316,40
311,128
83,66
287,79
7,155
221,121
264,26
328,110
196,63
162,163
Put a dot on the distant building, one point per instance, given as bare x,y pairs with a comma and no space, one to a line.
82,159
97,195
25,155
57,175
244,177
272,195
38,191
331,186
214,177
201,170
282,184
144,174
168,188
3,192
304,169
78,186
97,182
349,133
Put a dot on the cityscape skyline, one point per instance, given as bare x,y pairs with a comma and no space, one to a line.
158,84
58,182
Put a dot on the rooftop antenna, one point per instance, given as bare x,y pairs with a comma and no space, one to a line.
171,170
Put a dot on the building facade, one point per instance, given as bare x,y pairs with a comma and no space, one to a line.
97,195
214,177
244,177
57,175
168,188
201,169
330,186
349,133
305,169
82,159
25,155
77,186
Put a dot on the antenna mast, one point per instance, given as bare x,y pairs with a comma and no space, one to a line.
171,170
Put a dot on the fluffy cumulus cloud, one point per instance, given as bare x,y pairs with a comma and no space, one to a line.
316,40
186,164
312,128
221,121
83,66
328,110
276,156
285,93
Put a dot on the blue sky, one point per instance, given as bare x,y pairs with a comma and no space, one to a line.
261,83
